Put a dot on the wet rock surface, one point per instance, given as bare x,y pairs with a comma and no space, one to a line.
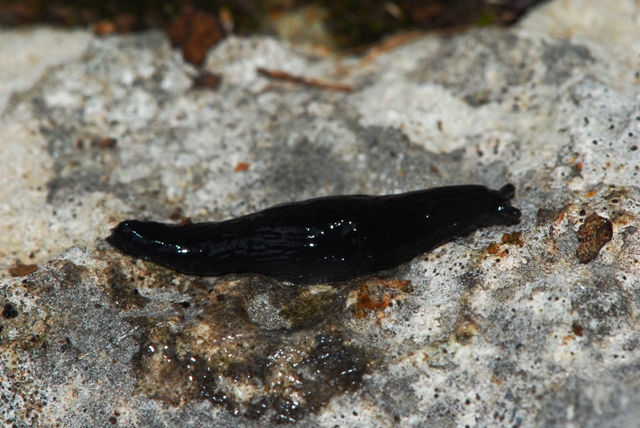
506,327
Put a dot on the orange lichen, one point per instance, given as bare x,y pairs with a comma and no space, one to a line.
400,284
372,298
241,166
493,248
514,238
366,301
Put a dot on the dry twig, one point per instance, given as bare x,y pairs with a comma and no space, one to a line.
283,75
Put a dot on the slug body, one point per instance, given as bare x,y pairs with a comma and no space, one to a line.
325,239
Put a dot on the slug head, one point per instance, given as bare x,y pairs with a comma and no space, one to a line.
500,209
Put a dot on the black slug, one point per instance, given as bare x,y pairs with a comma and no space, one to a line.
324,239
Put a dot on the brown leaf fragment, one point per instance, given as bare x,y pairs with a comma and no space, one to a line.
206,81
104,27
577,329
196,31
106,142
125,23
21,269
176,214
593,234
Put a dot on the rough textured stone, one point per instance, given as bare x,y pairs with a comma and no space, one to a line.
489,330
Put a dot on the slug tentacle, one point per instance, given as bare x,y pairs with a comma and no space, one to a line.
508,191
324,239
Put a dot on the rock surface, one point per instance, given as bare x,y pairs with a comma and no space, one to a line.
508,327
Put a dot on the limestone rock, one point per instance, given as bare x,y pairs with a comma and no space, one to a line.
503,328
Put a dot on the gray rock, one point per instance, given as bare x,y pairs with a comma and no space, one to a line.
488,330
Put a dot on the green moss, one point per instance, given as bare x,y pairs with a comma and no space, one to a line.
310,306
